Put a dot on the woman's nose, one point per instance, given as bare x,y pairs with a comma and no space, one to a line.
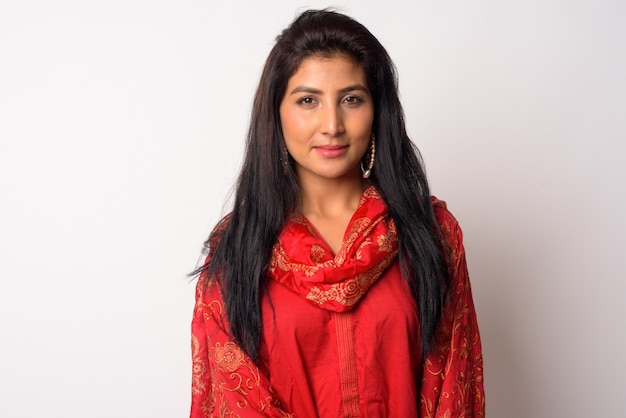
331,122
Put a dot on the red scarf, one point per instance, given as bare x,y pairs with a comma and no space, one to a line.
303,261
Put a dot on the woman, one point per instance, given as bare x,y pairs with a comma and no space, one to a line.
337,287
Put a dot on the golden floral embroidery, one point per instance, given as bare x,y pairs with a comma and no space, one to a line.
368,248
299,219
383,243
199,368
359,252
281,260
350,291
358,229
317,254
453,373
226,383
229,357
236,383
370,193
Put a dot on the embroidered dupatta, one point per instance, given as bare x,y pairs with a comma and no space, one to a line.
303,262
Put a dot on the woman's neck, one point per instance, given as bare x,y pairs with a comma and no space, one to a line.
329,206
331,198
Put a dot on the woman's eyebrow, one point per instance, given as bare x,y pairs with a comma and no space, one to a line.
353,88
306,89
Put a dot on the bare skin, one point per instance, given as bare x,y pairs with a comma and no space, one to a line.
330,210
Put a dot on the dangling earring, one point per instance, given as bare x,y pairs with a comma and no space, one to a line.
368,172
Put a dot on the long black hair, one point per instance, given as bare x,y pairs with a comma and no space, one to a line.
267,189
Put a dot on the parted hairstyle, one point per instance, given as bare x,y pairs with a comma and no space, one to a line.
267,191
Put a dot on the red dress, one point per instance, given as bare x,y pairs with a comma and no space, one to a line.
339,337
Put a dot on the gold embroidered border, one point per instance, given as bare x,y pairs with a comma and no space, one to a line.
349,292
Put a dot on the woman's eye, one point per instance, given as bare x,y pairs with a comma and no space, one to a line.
353,100
306,101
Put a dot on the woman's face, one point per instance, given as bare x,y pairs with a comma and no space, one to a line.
327,115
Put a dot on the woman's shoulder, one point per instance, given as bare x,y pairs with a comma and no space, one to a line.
448,223
220,227
442,213
216,235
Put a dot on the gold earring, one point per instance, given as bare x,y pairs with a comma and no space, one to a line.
368,172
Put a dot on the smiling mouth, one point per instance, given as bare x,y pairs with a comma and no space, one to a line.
331,147
331,151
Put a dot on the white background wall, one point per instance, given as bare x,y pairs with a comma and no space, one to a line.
121,130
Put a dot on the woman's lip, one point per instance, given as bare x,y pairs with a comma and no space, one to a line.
331,151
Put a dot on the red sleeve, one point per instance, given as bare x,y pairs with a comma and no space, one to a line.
225,381
453,371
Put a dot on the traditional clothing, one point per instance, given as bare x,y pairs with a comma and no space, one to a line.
341,333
